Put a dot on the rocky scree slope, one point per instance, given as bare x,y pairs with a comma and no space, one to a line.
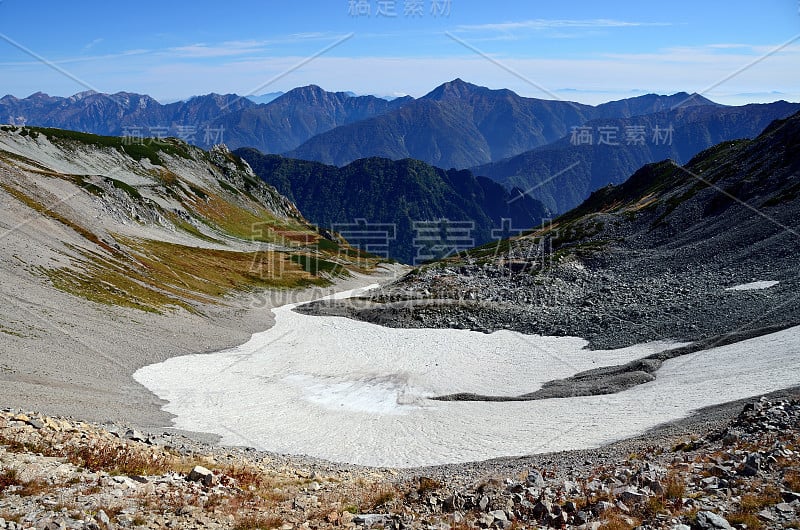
739,473
648,259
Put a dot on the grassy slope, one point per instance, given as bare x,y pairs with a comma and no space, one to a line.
154,275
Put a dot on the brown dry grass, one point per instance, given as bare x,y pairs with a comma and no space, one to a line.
119,458
27,488
674,486
258,522
618,522
792,480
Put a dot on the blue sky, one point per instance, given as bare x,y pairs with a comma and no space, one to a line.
733,51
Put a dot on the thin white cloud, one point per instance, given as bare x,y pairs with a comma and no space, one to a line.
92,44
729,45
543,23
225,49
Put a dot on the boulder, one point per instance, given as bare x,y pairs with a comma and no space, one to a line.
710,521
201,475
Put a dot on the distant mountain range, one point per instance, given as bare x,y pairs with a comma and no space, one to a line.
463,125
563,173
280,125
539,146
457,124
406,209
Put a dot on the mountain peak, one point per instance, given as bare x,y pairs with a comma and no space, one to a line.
456,89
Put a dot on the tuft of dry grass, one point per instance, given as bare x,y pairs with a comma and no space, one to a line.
382,497
792,480
751,521
427,484
119,459
10,478
753,502
618,522
674,487
258,522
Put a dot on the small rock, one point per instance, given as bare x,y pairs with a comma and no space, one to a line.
766,516
709,521
36,424
499,515
136,436
790,496
602,506
784,508
483,504
541,509
486,520
632,497
102,518
201,475
535,479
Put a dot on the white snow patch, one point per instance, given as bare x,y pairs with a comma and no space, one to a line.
355,392
752,286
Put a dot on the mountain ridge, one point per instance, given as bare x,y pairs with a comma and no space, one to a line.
383,192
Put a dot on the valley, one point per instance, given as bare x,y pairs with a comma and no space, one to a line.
399,265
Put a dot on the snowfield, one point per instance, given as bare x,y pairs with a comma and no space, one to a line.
355,392
754,286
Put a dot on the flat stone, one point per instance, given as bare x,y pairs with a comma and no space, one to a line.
135,435
369,519
766,516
